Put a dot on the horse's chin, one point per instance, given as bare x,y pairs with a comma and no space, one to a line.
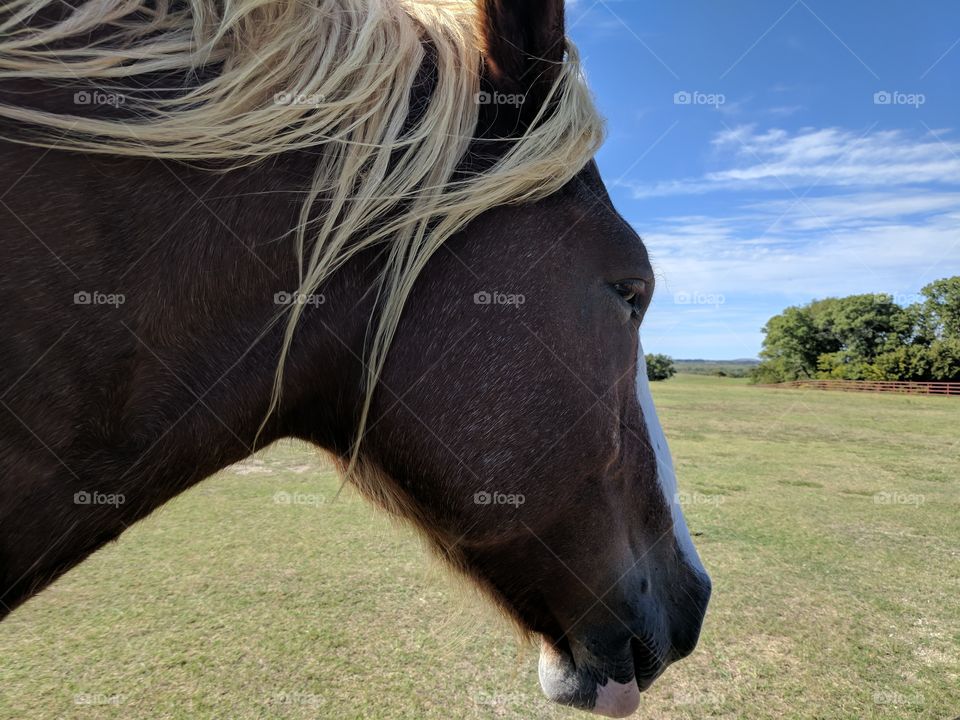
565,683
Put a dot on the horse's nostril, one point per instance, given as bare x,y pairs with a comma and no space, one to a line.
702,592
684,643
644,586
649,660
686,627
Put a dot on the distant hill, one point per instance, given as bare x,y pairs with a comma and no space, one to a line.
729,368
739,361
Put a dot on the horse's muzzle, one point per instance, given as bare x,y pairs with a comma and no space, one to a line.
604,670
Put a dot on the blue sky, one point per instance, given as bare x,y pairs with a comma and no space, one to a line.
749,147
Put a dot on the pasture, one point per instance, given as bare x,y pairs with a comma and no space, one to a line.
830,524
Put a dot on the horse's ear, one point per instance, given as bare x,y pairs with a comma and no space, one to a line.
524,44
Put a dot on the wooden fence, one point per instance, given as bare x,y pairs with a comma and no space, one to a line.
886,386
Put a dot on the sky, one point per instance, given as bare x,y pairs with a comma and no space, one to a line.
771,152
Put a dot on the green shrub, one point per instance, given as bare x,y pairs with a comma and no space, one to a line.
660,367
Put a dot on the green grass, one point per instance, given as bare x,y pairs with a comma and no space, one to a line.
828,601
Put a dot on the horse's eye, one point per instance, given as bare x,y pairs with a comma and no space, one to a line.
633,291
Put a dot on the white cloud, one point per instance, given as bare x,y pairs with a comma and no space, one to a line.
817,213
748,279
856,210
826,157
714,256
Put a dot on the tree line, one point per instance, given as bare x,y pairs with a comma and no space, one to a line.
866,337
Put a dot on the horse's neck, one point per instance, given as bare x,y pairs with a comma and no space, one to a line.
110,410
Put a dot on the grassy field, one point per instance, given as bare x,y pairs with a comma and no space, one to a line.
830,523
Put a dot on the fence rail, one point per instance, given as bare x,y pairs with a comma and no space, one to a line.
886,386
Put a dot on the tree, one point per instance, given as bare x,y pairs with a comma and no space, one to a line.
794,342
789,343
772,371
940,312
660,367
907,362
866,325
945,360
862,327
866,337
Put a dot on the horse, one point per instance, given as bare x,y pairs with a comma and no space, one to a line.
374,225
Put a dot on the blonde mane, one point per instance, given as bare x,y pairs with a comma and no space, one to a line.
268,77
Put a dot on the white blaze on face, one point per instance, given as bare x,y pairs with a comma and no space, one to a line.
666,476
